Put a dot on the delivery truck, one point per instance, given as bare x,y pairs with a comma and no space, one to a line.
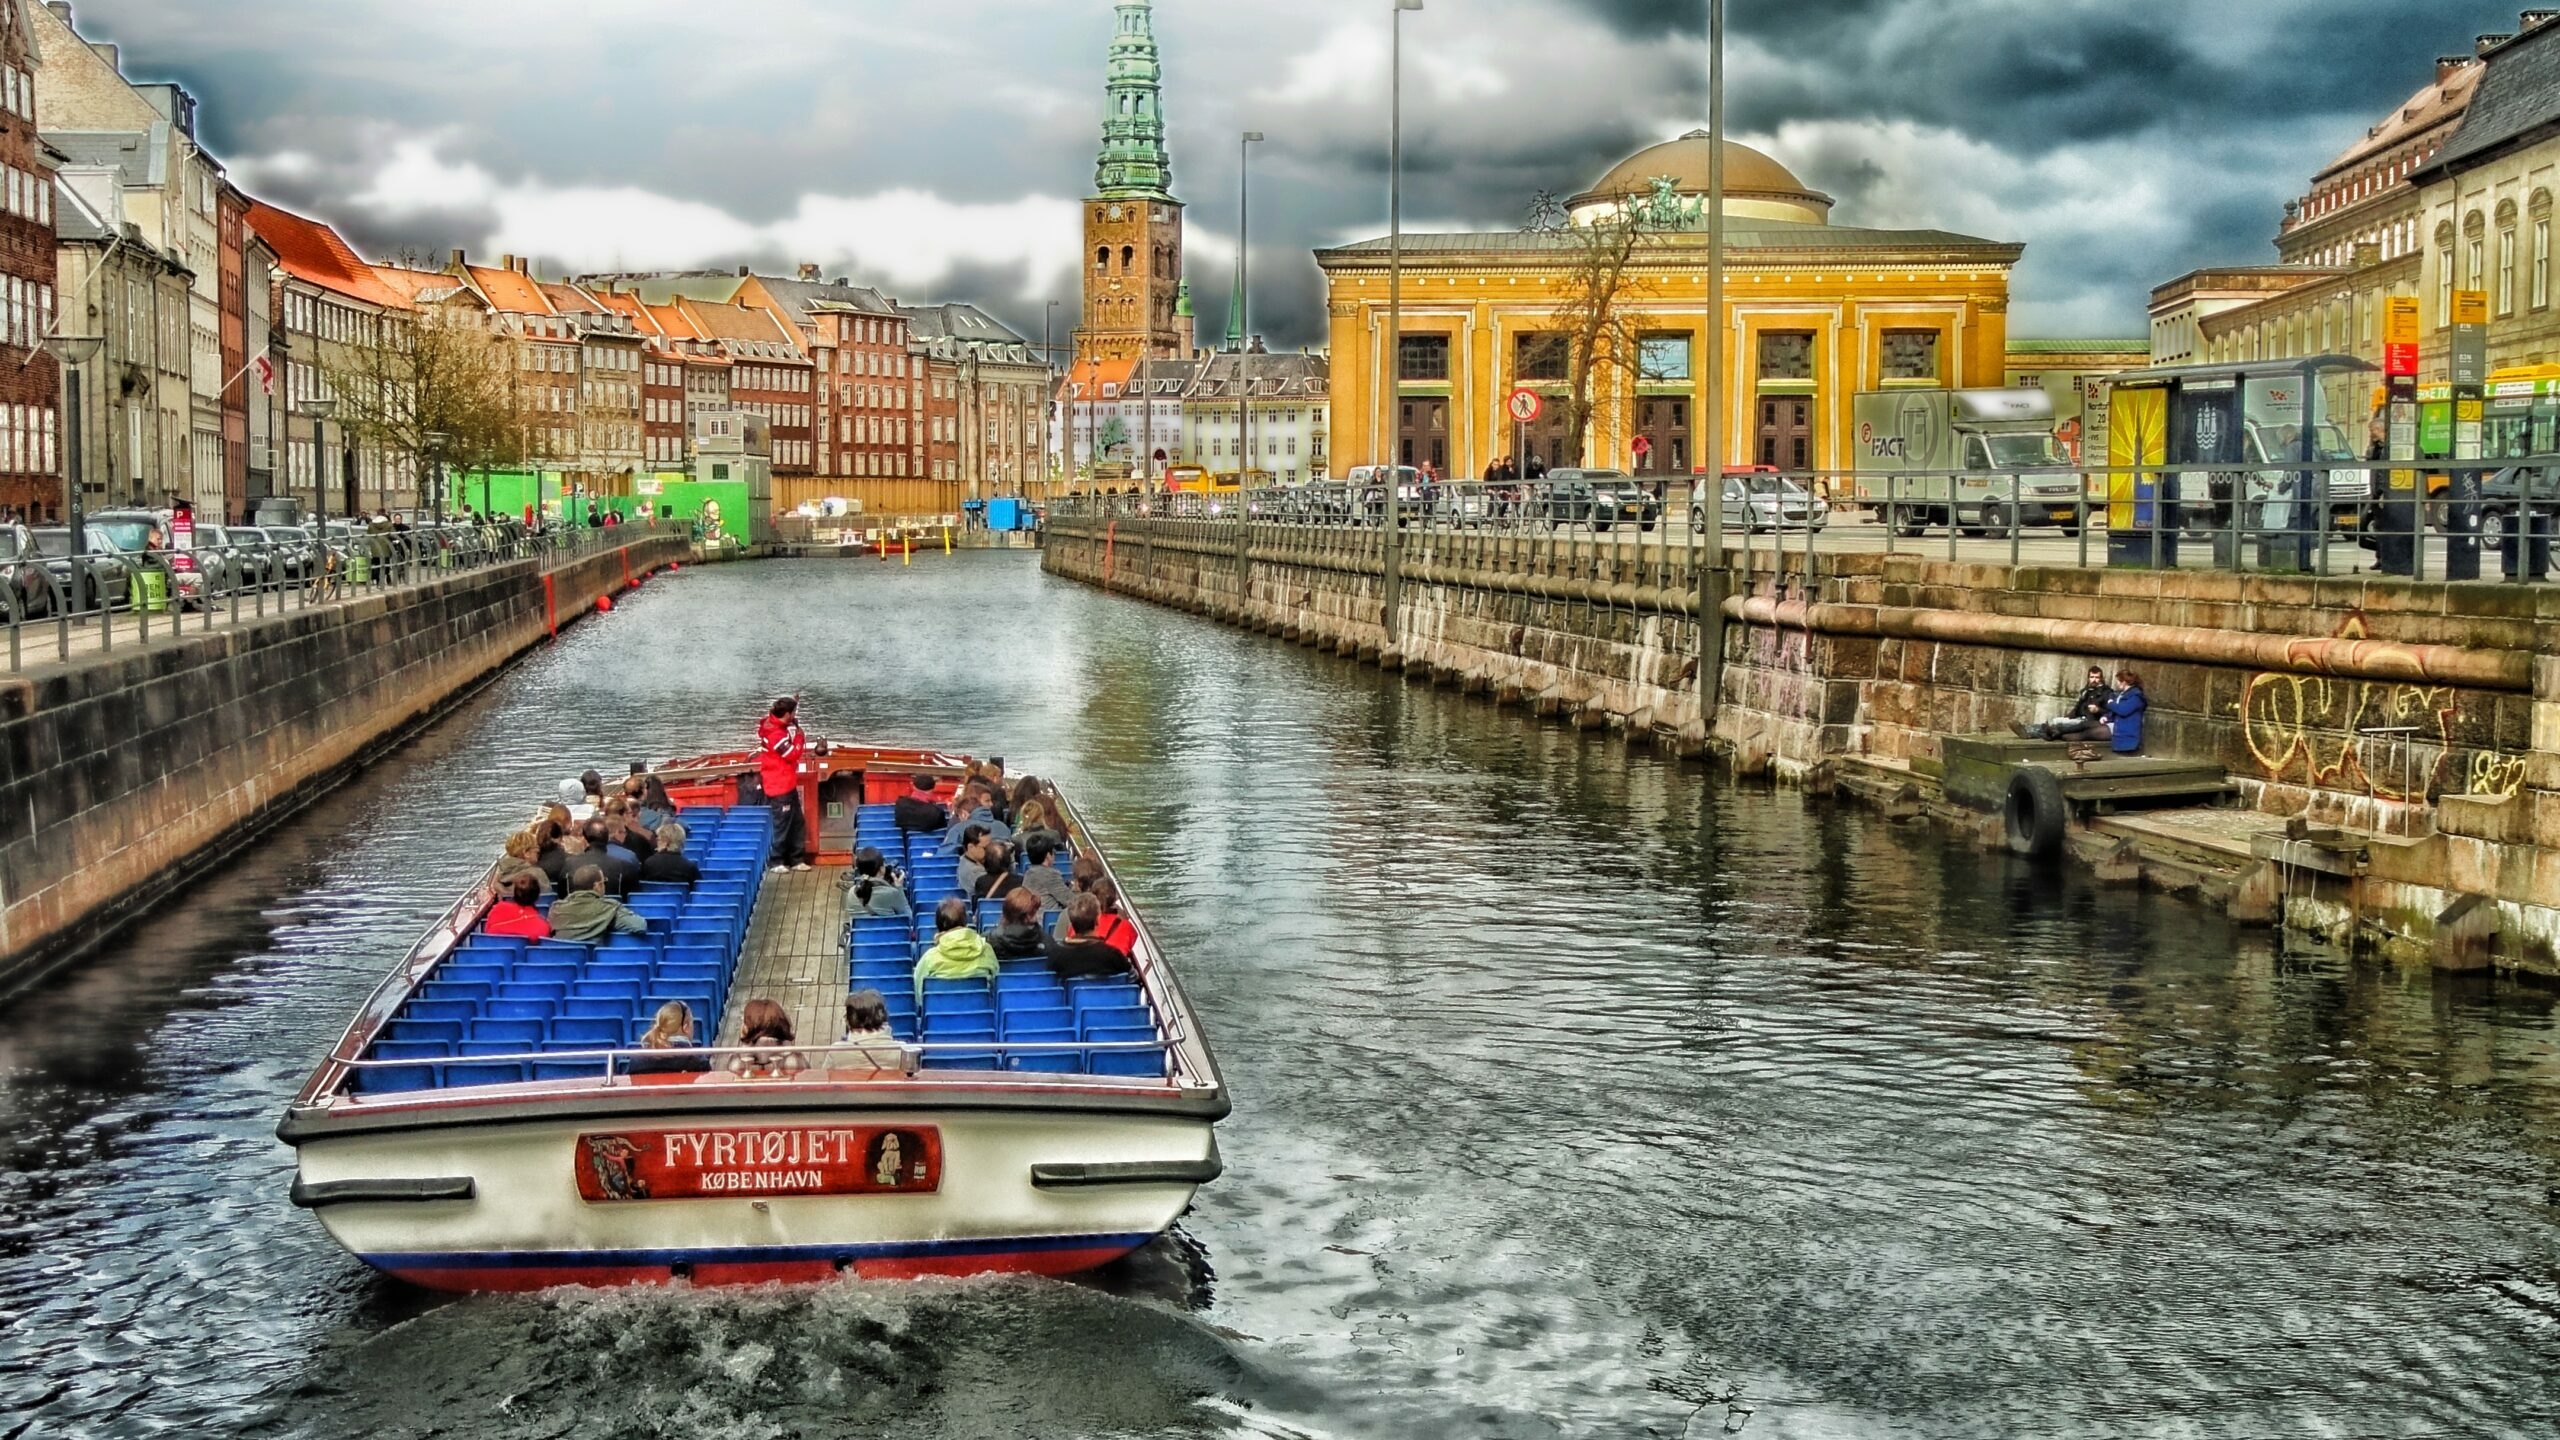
1983,461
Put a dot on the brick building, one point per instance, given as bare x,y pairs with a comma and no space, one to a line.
769,375
30,421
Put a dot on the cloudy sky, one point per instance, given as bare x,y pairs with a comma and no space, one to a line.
937,147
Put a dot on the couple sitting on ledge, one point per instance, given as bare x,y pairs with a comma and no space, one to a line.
2113,715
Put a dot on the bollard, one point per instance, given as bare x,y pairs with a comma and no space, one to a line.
2527,539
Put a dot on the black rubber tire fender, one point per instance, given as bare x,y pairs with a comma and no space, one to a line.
2032,814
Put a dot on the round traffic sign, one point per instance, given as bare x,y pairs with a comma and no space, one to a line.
1527,405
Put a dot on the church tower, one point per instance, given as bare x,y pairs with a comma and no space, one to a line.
1132,224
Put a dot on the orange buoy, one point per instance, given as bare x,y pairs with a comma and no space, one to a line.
603,603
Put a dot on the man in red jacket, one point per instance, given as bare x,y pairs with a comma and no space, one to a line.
780,744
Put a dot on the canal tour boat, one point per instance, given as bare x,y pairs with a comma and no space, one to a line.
487,1122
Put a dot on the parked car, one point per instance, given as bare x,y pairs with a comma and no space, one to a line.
1600,499
1369,487
23,573
109,569
2502,494
1762,499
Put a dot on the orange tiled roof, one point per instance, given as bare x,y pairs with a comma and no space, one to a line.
419,286
1086,378
749,323
510,292
310,251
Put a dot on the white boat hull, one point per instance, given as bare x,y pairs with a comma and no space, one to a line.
1039,1191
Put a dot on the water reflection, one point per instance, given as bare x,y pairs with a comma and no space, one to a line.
1576,1096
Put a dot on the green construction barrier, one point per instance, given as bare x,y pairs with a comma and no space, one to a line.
155,591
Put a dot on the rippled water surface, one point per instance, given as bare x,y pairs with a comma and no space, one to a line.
1575,1096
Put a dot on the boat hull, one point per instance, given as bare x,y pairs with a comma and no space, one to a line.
1036,1191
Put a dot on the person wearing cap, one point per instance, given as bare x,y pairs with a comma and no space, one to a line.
573,798
918,811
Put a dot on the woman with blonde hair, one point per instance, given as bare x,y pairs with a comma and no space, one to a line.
672,1030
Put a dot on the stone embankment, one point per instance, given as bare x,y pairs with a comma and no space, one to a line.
2395,745
121,774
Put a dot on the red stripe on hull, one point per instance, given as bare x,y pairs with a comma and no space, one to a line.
759,1272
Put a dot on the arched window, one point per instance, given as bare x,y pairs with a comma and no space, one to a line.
1128,256
2444,274
1101,257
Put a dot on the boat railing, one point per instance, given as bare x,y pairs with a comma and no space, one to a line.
613,1064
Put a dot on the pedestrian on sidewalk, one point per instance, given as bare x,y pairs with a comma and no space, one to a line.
780,746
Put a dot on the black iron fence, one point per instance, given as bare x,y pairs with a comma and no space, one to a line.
109,597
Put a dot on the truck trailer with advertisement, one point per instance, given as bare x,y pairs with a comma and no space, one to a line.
1984,461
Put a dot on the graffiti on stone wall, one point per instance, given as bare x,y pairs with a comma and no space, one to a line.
2390,740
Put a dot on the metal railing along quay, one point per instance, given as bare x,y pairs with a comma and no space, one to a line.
2441,520
137,597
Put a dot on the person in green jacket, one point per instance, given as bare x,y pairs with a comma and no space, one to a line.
587,913
958,953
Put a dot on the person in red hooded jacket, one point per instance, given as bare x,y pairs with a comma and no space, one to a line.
779,745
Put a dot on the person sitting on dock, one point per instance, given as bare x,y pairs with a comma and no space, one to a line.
972,808
586,913
1080,953
765,1027
875,887
2088,712
917,811
958,953
619,871
671,1030
866,1026
520,914
2124,714
1043,879
668,863
1018,935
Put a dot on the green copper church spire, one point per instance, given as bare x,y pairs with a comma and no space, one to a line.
1134,165
1235,314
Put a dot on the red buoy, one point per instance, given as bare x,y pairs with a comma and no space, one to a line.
603,603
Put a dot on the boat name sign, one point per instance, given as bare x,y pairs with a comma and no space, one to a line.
711,1163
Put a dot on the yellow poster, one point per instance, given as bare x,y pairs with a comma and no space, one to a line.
2137,436
2400,320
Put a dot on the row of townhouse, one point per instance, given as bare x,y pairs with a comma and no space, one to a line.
1221,412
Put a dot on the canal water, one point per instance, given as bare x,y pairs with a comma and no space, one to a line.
1576,1096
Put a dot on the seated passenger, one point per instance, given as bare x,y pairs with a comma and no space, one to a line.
619,870
641,840
2087,712
517,914
875,886
573,798
972,808
1033,817
524,856
1000,880
564,854
958,953
1019,936
766,1027
1114,929
972,871
672,1030
1043,879
917,810
668,861
1080,953
593,784
866,1024
656,806
586,913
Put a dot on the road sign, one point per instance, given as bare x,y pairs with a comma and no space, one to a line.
2470,307
2400,321
1527,405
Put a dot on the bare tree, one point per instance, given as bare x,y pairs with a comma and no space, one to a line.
433,386
1607,259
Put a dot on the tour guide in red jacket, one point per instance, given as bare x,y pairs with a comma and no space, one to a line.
780,744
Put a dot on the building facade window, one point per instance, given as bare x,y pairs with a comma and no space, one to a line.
1540,355
2540,275
1422,357
1786,355
1662,357
1912,355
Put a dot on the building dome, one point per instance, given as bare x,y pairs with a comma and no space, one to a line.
1755,186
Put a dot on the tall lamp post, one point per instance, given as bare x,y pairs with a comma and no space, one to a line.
1049,359
72,354
318,409
437,442
1244,309
1391,562
1711,572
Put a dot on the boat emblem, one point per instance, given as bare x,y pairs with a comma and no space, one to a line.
615,1161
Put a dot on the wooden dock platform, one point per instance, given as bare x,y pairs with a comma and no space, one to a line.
794,956
1977,768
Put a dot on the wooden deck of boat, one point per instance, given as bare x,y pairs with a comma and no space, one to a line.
794,956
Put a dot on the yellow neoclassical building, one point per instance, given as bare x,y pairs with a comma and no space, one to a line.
1814,314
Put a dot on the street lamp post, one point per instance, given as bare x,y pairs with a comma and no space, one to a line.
318,409
1391,581
1711,571
72,354
1049,359
1244,308
437,441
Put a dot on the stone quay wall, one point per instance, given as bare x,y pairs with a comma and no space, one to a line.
2375,706
122,774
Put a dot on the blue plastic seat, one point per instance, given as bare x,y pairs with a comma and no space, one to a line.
467,973
697,955
553,991
589,1032
405,1028
569,1069
1095,1019
517,1034
1060,1057
618,969
534,972
491,950
455,992
1109,994
571,953
615,1007
393,1079
419,1048
505,1008
1018,1022
483,1072
1147,1062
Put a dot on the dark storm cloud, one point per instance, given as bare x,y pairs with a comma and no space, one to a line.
2124,141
